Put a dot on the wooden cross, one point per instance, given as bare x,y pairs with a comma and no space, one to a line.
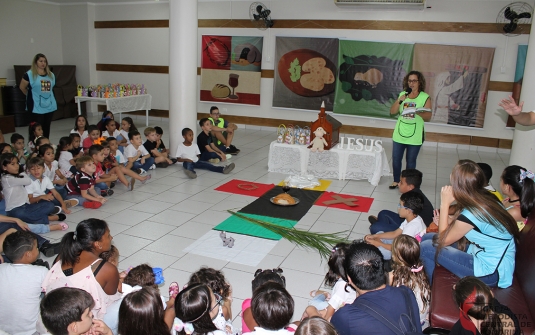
339,200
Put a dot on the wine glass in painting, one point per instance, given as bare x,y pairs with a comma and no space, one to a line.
233,82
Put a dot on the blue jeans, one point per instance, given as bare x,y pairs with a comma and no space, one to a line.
386,221
2,207
202,165
397,156
319,302
208,155
63,192
454,260
102,186
4,226
148,163
387,254
33,213
79,197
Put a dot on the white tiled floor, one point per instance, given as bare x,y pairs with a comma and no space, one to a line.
156,221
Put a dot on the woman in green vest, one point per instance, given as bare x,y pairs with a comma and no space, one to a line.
409,132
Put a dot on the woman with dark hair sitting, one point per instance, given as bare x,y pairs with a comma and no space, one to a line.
80,266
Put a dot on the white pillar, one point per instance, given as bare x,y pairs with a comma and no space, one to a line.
523,151
182,69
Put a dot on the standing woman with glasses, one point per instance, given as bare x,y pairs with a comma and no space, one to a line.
409,132
37,85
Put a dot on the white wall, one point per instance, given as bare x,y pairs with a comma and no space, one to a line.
20,21
149,46
77,23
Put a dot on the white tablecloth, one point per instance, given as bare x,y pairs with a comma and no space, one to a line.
333,164
122,105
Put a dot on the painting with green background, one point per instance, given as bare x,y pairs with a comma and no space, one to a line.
370,76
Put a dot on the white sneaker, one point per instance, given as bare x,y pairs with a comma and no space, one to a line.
152,167
142,172
214,160
229,156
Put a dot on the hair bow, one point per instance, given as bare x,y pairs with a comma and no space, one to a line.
526,174
179,325
74,236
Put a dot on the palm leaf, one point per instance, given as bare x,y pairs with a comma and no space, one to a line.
321,242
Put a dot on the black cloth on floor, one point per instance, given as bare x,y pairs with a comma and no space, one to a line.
263,206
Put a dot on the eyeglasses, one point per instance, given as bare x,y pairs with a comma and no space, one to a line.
219,301
399,206
413,81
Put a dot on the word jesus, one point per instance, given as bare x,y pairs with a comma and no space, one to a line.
360,144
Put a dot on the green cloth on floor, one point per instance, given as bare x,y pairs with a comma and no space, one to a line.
238,225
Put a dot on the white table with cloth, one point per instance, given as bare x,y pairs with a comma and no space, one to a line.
122,105
335,163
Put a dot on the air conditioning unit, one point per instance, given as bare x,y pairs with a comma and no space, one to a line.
384,4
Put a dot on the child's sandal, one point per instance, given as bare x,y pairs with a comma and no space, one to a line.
64,226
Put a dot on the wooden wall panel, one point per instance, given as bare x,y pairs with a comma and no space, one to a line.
451,27
133,68
132,24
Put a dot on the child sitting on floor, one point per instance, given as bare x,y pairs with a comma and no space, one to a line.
112,131
145,308
386,220
273,308
76,151
342,292
195,308
189,154
35,130
17,201
103,180
65,157
17,143
409,207
127,125
139,158
92,138
39,141
80,127
219,285
52,171
161,159
159,143
42,189
260,278
111,256
487,170
82,185
518,185
21,284
112,166
408,270
67,310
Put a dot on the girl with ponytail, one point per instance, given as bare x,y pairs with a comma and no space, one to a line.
518,185
80,266
479,312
